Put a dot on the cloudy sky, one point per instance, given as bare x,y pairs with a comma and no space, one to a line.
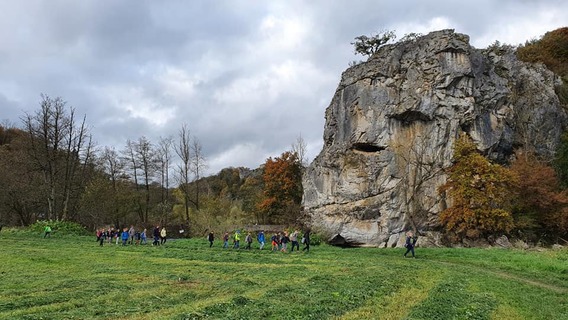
247,77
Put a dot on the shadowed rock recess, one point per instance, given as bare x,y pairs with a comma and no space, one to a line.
391,127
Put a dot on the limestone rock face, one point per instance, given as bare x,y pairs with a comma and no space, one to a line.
392,123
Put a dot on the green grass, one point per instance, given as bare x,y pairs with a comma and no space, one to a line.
71,277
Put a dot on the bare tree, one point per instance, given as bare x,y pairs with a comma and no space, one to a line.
143,165
133,164
78,152
59,149
420,162
164,155
183,150
198,166
147,160
192,166
299,148
114,166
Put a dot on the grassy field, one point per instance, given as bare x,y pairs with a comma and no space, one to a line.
71,277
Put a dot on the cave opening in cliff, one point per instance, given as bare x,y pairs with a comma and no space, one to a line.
410,116
367,147
340,241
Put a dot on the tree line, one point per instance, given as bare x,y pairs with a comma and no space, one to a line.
52,170
526,199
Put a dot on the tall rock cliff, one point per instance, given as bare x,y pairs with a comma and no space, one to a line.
392,123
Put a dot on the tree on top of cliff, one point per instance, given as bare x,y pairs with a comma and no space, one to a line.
369,45
480,194
552,50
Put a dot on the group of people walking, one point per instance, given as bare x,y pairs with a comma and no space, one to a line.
279,241
130,236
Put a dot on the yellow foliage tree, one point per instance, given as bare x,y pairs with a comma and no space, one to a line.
480,194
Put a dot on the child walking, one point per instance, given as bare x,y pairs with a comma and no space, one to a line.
124,236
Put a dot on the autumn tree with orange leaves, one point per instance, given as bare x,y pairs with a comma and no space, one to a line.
282,189
480,194
541,211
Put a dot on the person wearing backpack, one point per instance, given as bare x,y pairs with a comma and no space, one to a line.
248,240
410,243
236,239
294,239
284,240
131,234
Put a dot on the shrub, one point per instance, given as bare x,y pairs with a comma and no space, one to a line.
562,91
315,239
60,227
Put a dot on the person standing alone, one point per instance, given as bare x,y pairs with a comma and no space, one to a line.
211,238
409,243
47,232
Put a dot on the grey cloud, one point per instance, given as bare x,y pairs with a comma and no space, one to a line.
145,67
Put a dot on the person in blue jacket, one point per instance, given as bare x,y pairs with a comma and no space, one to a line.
124,236
260,238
